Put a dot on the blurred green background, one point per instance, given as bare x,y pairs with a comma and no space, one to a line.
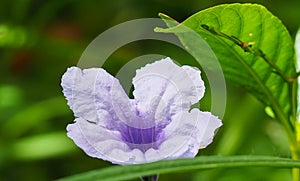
39,39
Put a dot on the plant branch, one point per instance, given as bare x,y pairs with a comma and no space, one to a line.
247,47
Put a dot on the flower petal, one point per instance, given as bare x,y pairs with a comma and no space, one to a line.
102,143
165,80
163,88
95,95
185,135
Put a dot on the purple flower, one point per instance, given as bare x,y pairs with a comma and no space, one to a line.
156,125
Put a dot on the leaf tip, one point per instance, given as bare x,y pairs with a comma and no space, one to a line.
162,15
166,17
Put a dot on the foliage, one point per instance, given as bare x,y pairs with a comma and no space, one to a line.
199,163
40,39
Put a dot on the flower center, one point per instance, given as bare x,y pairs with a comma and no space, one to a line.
139,138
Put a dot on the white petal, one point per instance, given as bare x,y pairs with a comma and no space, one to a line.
185,135
95,95
163,89
86,134
102,143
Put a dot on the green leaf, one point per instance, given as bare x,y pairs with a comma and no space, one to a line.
252,24
42,146
170,166
34,116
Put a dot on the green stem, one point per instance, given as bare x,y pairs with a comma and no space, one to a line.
248,48
150,178
295,151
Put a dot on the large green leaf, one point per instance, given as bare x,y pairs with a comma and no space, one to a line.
249,23
199,163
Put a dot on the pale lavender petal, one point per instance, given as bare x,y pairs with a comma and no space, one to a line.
198,85
185,135
163,88
95,95
97,141
164,82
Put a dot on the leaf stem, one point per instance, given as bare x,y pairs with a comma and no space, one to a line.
150,178
295,156
247,47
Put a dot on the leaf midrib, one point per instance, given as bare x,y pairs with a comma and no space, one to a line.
181,165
